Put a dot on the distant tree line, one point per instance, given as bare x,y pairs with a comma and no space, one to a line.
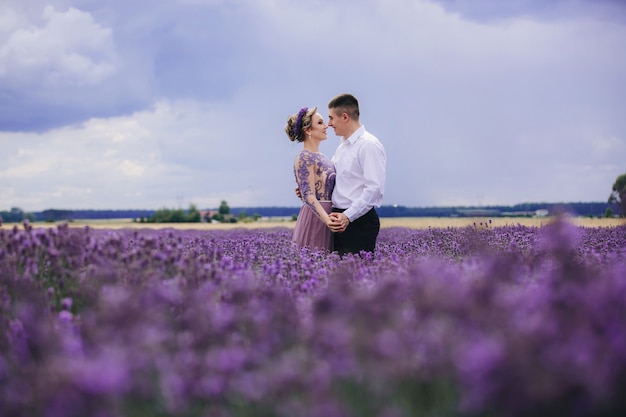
193,215
54,215
224,215
594,209
616,203
164,215
15,215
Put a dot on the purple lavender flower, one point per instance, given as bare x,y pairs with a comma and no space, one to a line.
502,320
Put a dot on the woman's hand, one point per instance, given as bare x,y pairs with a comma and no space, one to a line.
338,222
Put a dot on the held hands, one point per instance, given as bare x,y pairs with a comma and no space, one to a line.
338,222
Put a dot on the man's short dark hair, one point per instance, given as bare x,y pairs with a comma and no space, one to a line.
345,103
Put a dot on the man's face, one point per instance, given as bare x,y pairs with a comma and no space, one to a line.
335,121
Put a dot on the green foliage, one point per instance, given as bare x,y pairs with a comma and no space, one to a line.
609,212
16,215
245,218
193,215
620,183
164,215
224,208
53,215
618,194
224,215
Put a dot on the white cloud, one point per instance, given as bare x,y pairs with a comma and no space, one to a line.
131,168
9,20
498,11
606,146
182,150
70,48
185,100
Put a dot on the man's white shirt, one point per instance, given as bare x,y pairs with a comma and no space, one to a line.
360,162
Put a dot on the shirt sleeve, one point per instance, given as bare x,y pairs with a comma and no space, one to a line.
373,162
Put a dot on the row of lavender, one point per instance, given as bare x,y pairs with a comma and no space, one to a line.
504,321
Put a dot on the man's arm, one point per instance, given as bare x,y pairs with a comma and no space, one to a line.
373,161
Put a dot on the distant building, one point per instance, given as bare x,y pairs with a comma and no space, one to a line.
206,216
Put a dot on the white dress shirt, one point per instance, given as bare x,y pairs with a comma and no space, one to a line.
360,182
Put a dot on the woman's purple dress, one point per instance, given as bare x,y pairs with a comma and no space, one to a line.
315,176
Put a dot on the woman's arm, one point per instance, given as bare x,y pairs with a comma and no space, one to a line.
304,168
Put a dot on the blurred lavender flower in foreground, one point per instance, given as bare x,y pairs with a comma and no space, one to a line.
509,321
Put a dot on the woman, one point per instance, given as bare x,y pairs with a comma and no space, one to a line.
315,177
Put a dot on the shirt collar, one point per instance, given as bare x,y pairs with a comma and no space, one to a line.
355,135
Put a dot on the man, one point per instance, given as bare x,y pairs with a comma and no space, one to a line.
360,162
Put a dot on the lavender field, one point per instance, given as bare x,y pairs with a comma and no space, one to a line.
472,321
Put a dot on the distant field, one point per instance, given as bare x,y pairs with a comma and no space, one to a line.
443,222
409,222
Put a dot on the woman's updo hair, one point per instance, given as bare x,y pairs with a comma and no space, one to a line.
296,123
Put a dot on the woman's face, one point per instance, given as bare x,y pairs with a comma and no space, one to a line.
318,128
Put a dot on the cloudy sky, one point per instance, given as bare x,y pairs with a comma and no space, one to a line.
148,104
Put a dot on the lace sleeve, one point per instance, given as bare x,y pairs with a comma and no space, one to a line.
305,167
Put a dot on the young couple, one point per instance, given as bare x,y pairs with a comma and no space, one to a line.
340,194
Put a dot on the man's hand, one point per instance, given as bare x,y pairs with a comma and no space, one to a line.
338,222
298,193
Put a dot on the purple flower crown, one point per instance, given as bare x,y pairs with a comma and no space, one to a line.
298,127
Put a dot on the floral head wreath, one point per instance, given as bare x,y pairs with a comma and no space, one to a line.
298,127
